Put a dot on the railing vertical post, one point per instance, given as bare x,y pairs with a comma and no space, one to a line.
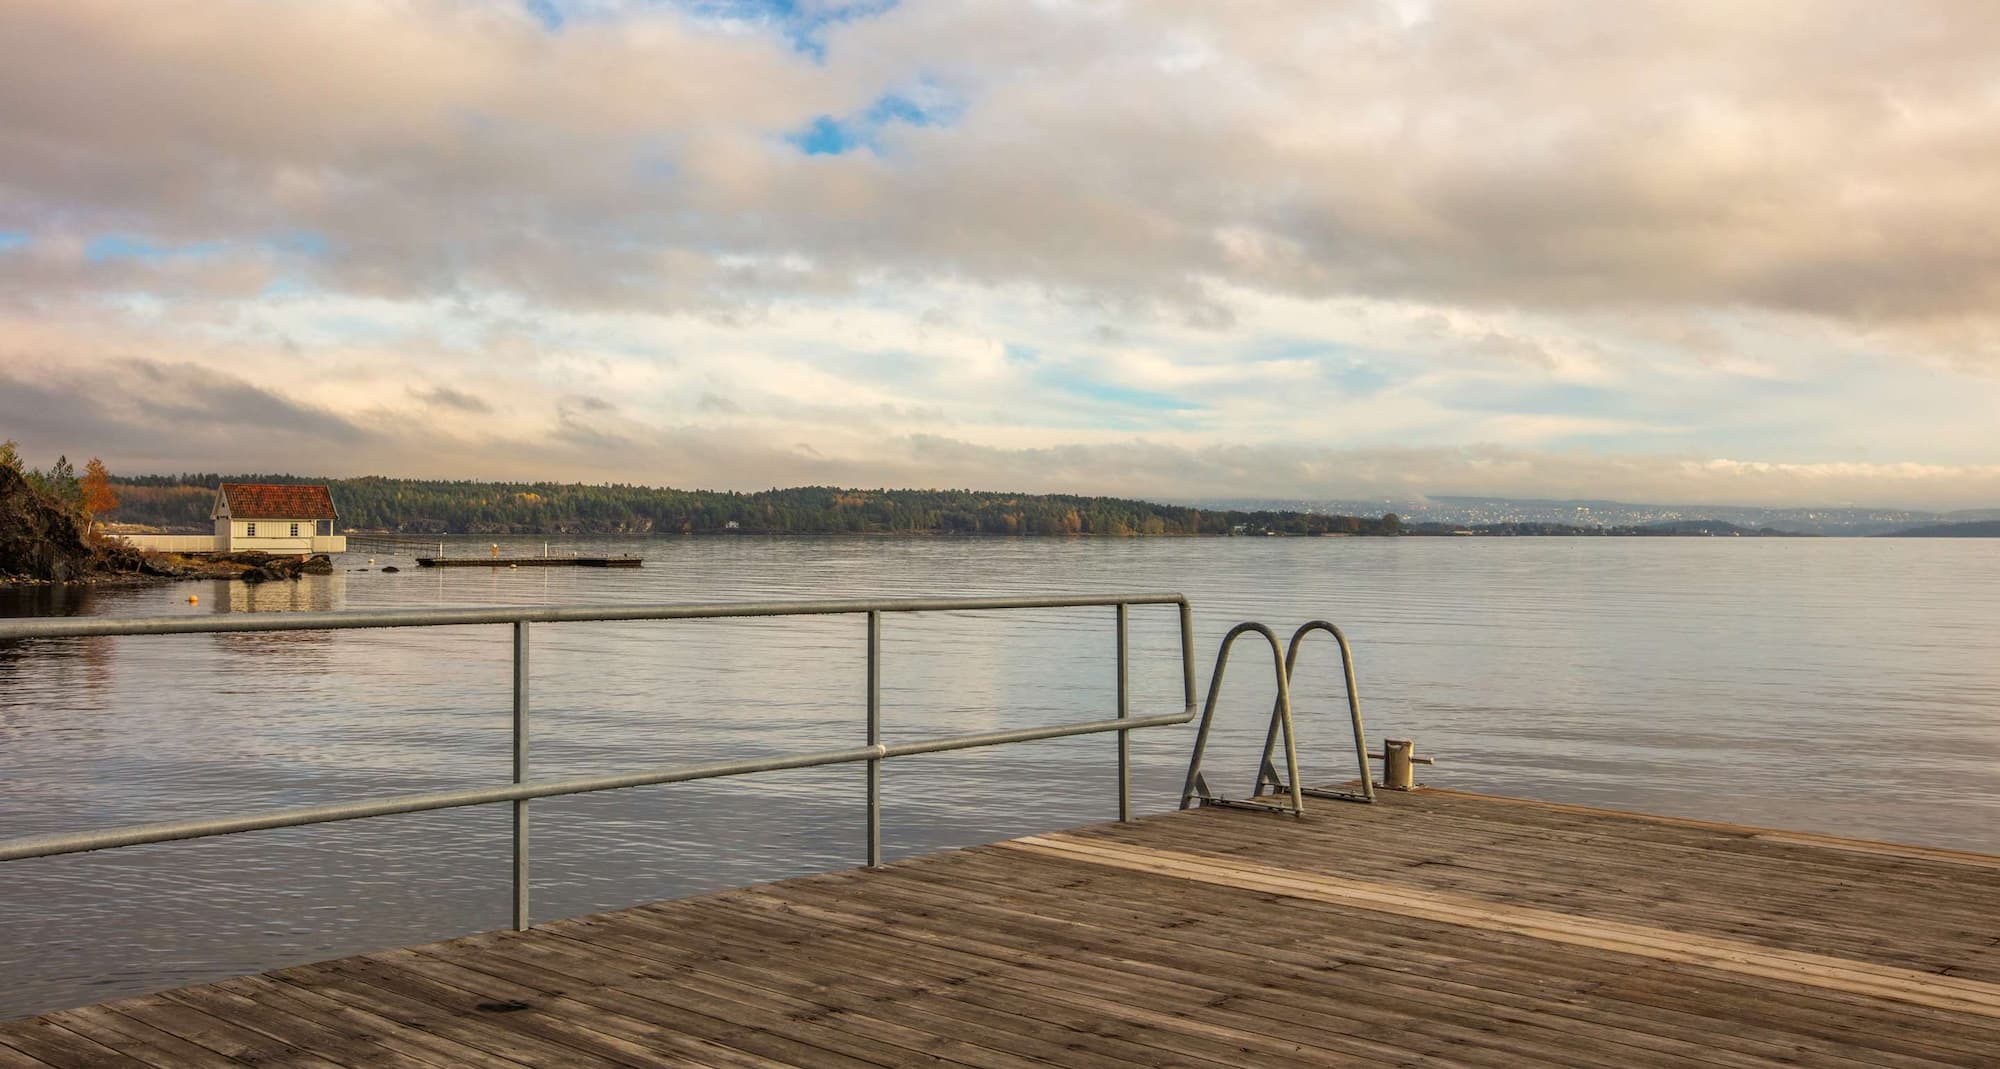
1124,712
520,775
874,739
1187,654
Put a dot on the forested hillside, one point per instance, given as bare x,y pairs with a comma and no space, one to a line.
434,507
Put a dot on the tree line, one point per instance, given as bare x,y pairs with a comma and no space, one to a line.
89,495
420,506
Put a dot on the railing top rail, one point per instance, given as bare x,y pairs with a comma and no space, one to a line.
77,627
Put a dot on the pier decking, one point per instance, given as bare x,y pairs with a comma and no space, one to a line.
1434,929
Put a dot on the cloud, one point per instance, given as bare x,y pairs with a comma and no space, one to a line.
183,414
1357,232
1830,161
446,397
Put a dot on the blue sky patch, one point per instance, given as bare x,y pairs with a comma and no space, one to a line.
831,136
824,137
1111,393
109,247
1357,371
12,239
547,13
1561,399
302,242
1359,379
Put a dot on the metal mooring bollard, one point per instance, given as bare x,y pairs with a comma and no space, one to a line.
1399,760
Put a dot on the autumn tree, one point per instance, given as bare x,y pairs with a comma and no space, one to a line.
98,497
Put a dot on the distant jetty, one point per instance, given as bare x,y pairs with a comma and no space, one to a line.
531,562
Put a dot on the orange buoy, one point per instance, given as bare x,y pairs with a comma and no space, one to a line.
192,600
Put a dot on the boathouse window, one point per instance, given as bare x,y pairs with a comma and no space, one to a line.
250,530
325,527
295,530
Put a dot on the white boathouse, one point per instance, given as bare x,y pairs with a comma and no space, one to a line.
275,518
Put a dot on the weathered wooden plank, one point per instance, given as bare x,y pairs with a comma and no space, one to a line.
1944,992
693,1008
1441,951
826,997
1227,952
1559,862
1261,985
1423,822
1935,854
625,991
144,1042
222,1036
1913,937
483,1030
354,1049
512,1010
968,981
419,1042
60,1048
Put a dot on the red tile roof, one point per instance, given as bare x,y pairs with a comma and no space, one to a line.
266,501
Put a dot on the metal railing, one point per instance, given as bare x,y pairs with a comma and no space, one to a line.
522,790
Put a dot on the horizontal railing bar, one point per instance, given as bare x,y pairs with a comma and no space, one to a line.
135,835
1001,738
79,627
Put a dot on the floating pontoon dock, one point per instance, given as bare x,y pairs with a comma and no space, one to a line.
531,562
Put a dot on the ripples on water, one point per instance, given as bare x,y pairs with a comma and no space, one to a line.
1847,686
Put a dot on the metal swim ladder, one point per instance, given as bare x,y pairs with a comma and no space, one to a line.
1196,790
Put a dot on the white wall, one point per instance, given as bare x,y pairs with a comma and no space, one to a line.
273,536
162,543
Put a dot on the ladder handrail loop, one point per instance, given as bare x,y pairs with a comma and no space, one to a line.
1267,774
1195,785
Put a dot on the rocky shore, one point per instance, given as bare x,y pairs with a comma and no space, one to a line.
42,542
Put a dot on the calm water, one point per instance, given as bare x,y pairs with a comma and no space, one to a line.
1848,686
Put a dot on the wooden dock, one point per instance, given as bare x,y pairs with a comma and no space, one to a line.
1434,929
531,562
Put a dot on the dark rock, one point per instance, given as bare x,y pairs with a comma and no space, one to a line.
317,564
391,568
42,541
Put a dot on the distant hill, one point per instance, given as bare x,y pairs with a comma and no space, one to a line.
1982,529
423,506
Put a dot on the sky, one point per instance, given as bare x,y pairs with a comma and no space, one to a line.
1689,251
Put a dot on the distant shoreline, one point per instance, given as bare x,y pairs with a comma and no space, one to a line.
428,508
